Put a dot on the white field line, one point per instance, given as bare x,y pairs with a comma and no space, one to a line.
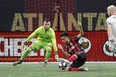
53,62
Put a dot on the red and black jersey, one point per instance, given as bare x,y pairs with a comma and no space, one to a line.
73,47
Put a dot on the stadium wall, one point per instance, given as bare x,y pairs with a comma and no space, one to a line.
19,18
94,46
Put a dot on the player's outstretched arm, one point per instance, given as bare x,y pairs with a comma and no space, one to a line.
31,36
81,33
62,50
28,39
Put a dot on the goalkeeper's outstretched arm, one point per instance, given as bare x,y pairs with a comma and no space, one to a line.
28,39
31,36
54,45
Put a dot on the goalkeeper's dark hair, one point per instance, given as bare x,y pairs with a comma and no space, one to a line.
47,20
64,34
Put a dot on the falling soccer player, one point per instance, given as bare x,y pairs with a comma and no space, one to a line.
46,39
72,51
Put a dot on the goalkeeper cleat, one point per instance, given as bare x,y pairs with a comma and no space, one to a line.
85,69
17,62
45,64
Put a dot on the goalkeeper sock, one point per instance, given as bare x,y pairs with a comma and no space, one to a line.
72,58
46,61
25,54
48,54
75,69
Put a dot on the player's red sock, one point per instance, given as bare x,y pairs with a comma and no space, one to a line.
72,58
75,69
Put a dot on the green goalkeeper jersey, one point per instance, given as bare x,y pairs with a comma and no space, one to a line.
43,35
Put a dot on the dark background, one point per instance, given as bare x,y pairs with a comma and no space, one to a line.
9,7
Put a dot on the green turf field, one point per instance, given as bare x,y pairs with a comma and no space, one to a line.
52,70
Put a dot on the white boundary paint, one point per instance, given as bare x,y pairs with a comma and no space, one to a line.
52,62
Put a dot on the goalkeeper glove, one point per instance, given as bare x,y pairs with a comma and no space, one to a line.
23,45
56,55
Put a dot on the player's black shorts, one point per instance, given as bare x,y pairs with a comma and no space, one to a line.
80,60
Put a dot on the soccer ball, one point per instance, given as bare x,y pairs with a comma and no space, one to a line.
62,65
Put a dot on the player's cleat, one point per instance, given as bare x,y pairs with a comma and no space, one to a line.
85,69
45,64
17,62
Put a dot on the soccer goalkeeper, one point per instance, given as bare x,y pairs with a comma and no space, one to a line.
45,39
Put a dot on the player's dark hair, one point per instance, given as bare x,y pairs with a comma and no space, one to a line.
64,34
47,20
